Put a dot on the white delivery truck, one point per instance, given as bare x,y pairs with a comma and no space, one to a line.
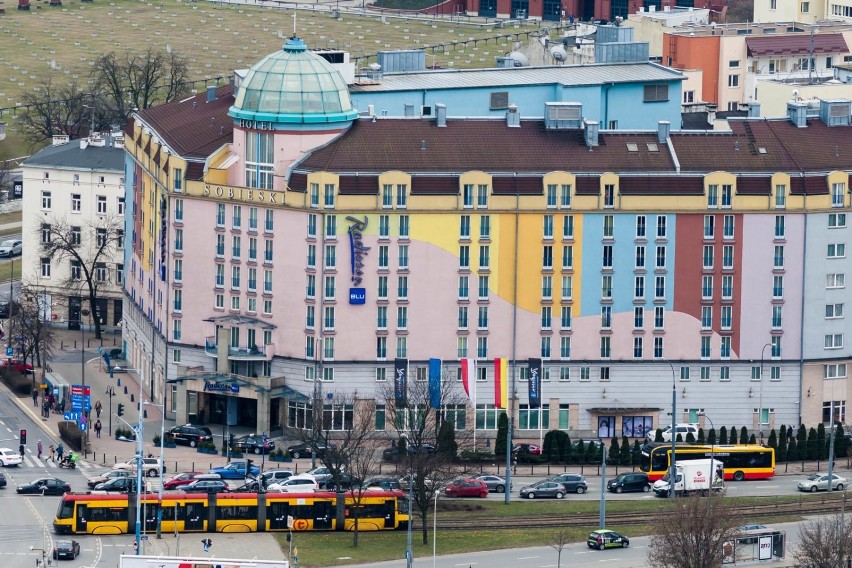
693,475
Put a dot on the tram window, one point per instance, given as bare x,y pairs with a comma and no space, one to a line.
66,510
230,512
102,514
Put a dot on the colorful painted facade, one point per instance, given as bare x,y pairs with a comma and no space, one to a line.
632,263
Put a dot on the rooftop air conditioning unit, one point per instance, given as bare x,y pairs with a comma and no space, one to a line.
563,116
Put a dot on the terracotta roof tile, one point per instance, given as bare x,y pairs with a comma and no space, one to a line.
791,44
192,127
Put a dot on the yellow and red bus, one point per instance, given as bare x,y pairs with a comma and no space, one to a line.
86,513
742,461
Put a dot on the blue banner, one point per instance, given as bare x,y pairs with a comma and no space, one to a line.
435,383
400,382
535,383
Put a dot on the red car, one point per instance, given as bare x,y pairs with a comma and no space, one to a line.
467,488
527,449
17,364
181,479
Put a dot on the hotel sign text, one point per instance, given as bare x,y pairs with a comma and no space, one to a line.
249,195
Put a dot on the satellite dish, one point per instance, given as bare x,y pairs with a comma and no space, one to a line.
375,67
558,53
519,58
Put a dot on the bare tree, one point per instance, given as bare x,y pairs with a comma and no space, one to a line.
139,80
417,423
558,541
824,542
346,428
29,321
90,250
50,109
694,535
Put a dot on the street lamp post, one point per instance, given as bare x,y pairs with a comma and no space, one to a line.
83,313
434,531
315,409
712,475
110,392
672,460
162,408
760,395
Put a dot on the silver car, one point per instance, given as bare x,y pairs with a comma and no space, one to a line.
495,483
819,482
11,248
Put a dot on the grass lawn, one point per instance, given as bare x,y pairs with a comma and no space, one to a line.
329,549
8,270
63,43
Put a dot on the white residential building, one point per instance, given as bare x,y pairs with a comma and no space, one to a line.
78,184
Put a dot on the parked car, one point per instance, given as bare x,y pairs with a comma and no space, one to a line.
276,475
113,474
66,549
306,449
542,489
586,443
120,485
383,484
301,482
187,478
190,435
753,527
627,482
493,482
9,457
573,482
236,470
527,449
680,429
11,248
819,482
466,488
48,485
2,480
17,364
252,443
604,538
205,486
345,481
392,454
150,466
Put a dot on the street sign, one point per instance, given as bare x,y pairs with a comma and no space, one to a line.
289,521
10,351
143,537
73,416
84,426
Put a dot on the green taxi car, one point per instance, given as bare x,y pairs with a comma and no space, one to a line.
603,538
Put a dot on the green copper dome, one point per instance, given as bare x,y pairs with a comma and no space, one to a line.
293,86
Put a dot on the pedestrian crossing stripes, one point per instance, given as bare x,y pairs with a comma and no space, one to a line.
44,462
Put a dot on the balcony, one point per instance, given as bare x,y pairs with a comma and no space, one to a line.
262,353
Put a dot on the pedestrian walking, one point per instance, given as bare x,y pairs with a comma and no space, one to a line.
98,429
59,451
98,409
38,447
45,409
50,452
35,397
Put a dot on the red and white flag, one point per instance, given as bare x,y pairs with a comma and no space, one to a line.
468,373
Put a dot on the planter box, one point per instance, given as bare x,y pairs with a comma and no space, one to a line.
206,451
170,445
280,459
233,454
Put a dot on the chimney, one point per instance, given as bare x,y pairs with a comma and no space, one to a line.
664,129
797,112
441,115
513,118
371,110
409,110
753,110
84,143
211,93
591,133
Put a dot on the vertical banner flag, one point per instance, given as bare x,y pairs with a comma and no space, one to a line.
468,375
435,383
535,383
400,382
501,383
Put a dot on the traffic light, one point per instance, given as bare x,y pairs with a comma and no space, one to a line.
120,411
23,437
249,464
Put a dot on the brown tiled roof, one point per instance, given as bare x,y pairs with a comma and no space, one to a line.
517,185
588,185
435,185
661,185
748,185
192,127
811,185
359,185
195,171
488,145
817,147
790,44
298,182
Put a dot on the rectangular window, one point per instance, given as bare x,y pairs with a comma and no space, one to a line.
834,341
567,257
384,226
402,288
46,200
835,281
775,350
609,195
640,257
482,347
464,257
236,246
464,226
728,257
637,347
836,220
401,195
484,257
712,196
176,329
836,250
45,268
384,257
467,196
547,228
567,287
659,317
220,214
658,348
481,196
102,204
252,219
483,287
382,293
655,93
76,270
726,317
725,350
833,311
464,289
462,317
606,317
727,192
547,257
705,347
76,203
606,287
565,317
404,226
237,217
709,226
638,287
329,288
402,317
660,288
780,196
311,288
606,257
706,317
565,196
551,196
546,287
638,317
608,226
606,347
564,348
661,257
640,226
834,371
252,279
235,278
778,257
733,80
402,251
684,373
661,226
727,287
779,226
728,227
484,227
707,257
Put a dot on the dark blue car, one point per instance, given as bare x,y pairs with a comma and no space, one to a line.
235,470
